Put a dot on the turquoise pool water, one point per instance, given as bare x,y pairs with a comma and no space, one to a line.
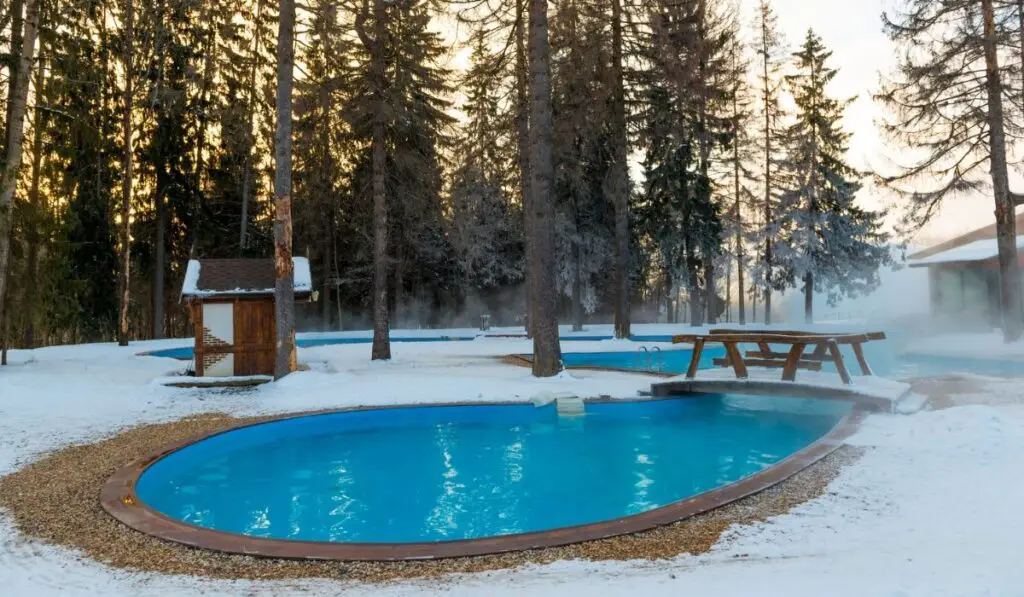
185,353
463,472
883,360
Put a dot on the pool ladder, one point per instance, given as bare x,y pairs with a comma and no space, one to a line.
651,359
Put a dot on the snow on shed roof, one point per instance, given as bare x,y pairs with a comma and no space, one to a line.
979,250
240,277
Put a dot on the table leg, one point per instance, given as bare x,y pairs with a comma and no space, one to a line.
840,365
698,348
789,371
738,366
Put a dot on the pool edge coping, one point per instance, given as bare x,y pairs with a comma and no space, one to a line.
119,499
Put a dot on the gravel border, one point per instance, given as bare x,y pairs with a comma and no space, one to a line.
56,500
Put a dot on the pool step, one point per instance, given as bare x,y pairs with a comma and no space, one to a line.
569,406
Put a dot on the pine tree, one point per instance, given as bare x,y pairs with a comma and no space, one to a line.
284,287
486,224
619,173
825,240
15,135
584,147
769,48
547,354
687,125
943,107
322,143
739,158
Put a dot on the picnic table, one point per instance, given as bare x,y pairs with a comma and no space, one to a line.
825,350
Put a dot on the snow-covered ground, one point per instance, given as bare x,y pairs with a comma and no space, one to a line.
933,508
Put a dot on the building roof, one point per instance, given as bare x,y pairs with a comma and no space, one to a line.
983,233
979,250
205,278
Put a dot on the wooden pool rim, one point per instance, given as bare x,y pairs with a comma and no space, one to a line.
119,499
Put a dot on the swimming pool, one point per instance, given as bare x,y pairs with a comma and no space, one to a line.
185,353
472,472
884,361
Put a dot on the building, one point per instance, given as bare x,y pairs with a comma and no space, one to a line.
231,303
963,275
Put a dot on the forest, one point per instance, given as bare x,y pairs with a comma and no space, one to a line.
594,160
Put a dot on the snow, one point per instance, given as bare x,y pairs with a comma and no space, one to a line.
303,280
931,509
191,284
211,381
979,250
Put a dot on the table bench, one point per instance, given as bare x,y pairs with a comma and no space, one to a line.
826,349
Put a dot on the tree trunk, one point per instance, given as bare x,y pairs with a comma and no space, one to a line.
284,288
547,356
250,111
767,175
739,215
204,118
1020,34
577,287
381,340
17,8
753,306
710,294
159,269
809,298
36,201
1006,234
325,301
523,151
619,174
670,312
13,143
127,171
399,311
728,294
694,294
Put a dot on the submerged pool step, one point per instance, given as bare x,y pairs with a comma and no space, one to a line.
567,404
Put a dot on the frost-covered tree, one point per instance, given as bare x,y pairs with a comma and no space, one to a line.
770,50
584,231
487,231
825,240
947,101
739,160
686,125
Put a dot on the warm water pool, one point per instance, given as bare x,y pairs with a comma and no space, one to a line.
883,360
185,353
436,474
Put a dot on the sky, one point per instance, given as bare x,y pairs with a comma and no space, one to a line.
852,29
862,53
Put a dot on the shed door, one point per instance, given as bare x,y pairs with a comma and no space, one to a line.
218,336
254,337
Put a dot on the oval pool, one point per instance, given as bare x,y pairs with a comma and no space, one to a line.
450,473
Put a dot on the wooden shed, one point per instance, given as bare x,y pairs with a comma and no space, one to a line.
963,275
231,302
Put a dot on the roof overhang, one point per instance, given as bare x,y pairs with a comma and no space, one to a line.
978,251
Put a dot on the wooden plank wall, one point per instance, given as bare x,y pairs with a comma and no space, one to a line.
254,332
255,336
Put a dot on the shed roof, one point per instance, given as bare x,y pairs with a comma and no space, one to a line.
205,278
979,250
985,232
